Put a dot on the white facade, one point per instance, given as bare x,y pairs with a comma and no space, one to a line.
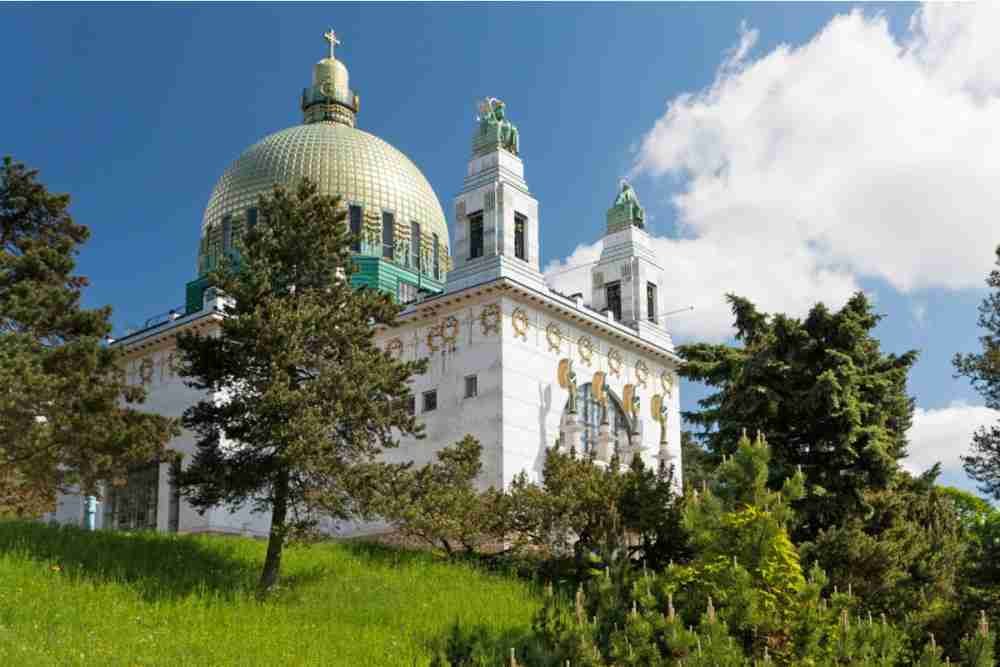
497,328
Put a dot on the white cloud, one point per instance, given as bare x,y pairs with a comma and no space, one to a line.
857,154
943,435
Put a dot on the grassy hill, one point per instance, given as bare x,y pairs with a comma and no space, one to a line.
70,597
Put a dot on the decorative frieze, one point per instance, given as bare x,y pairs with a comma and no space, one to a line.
585,347
641,373
489,319
519,320
614,361
554,336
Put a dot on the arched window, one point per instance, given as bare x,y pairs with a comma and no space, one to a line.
590,413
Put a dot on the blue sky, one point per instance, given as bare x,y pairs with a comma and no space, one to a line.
806,152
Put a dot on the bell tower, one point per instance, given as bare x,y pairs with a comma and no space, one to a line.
496,217
627,280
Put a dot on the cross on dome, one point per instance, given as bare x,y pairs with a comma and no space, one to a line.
331,37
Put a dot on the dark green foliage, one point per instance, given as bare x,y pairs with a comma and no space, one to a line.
830,401
440,504
599,515
902,558
299,394
742,599
982,463
66,413
697,464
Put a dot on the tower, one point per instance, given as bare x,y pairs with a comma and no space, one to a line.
496,217
627,281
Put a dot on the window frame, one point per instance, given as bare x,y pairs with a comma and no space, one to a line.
355,229
651,301
475,385
389,223
616,286
476,223
520,236
432,393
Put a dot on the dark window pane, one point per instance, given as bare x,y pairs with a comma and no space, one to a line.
471,386
651,301
519,223
430,400
437,259
388,236
415,245
251,217
476,235
614,298
354,217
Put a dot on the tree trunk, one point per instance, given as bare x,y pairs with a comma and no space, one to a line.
276,540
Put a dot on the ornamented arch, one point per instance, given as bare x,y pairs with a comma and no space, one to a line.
590,413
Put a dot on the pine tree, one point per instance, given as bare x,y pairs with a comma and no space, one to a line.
982,463
299,396
830,401
67,416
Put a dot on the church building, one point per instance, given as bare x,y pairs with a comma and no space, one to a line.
511,361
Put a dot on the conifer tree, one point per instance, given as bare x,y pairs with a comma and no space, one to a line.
982,463
830,401
67,417
299,395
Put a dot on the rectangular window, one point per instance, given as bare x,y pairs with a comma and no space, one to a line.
471,386
251,217
415,245
519,223
354,219
411,405
437,259
651,301
430,400
614,298
133,506
388,235
406,292
476,235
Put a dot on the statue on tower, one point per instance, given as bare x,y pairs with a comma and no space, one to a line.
495,128
626,210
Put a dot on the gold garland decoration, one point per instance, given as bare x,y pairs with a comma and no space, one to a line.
489,319
641,373
395,348
146,370
614,361
449,331
432,335
586,348
519,319
667,382
554,335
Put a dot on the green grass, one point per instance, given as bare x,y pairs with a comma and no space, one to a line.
70,597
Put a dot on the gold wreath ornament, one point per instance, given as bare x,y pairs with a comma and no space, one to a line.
586,349
554,335
432,335
519,319
146,370
395,348
489,319
449,331
641,373
614,361
667,382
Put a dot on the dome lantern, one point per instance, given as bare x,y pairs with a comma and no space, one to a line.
330,98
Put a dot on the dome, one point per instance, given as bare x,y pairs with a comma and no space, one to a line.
343,160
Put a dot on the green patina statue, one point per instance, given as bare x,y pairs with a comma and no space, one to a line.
495,128
626,210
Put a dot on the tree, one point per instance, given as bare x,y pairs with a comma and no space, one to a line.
742,598
439,504
830,401
298,394
982,463
696,462
67,417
